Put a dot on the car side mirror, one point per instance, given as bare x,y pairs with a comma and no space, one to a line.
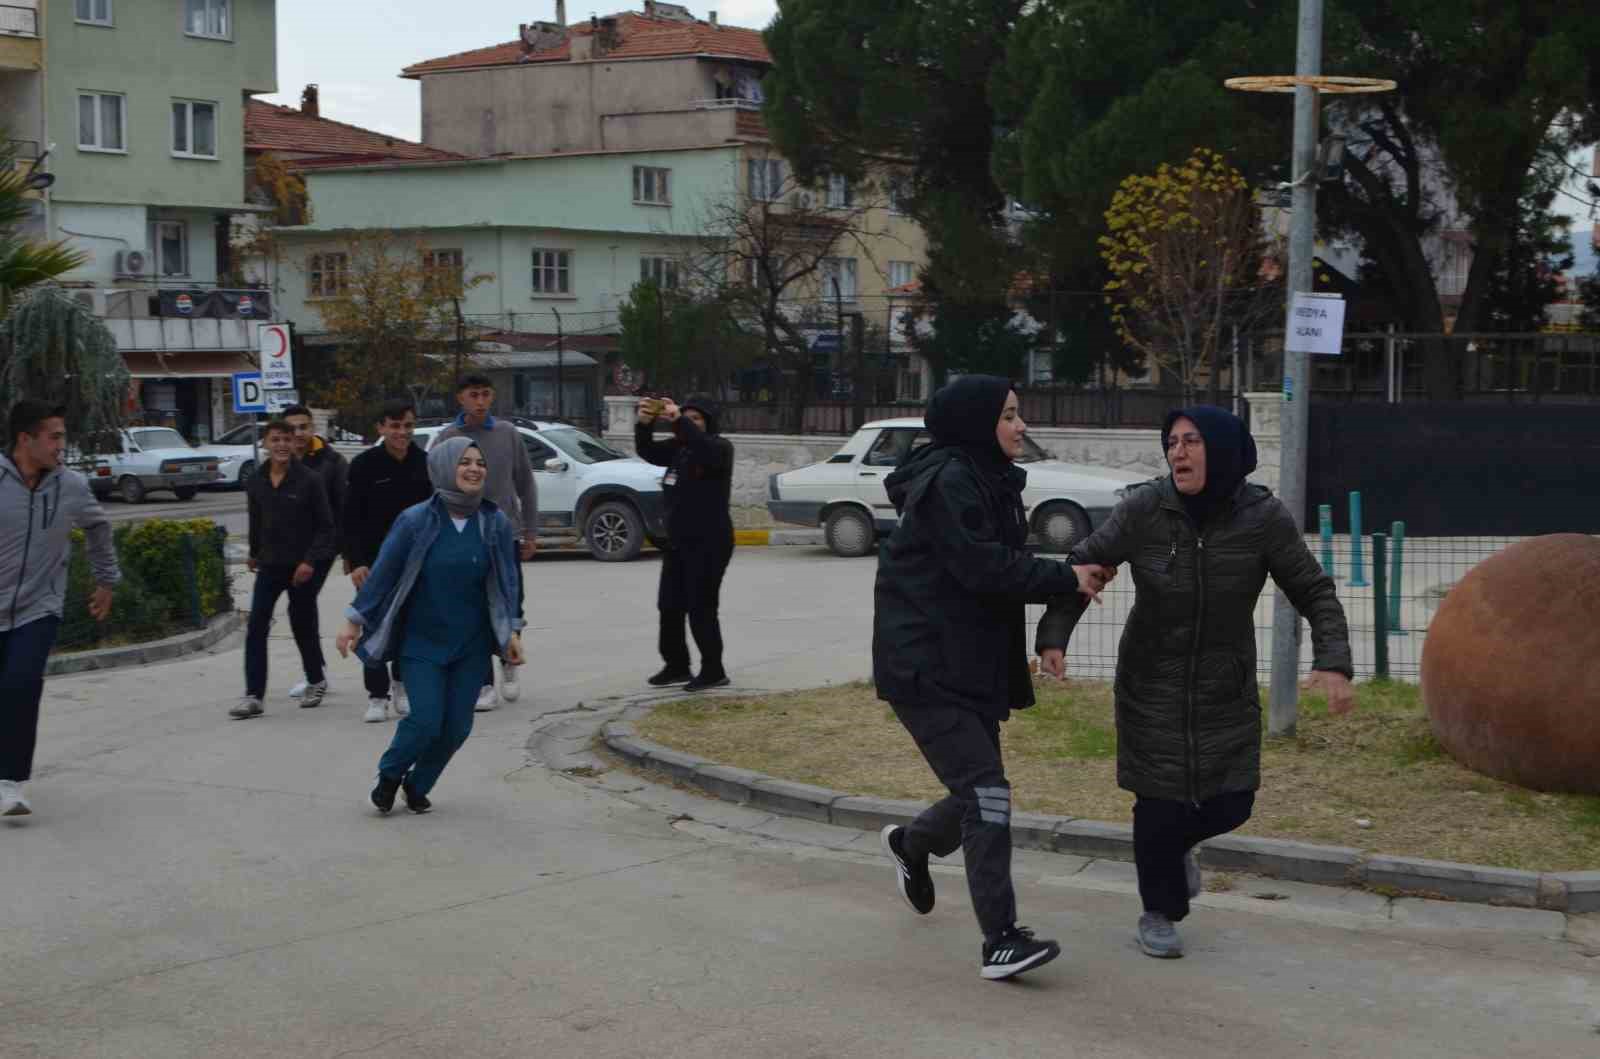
555,465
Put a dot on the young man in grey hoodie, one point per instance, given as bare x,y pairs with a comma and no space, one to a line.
41,503
510,486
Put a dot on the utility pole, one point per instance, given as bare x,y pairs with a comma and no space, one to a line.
560,359
1284,707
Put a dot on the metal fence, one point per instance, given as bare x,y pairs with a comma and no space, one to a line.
1416,579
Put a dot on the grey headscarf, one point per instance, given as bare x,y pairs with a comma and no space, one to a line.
442,461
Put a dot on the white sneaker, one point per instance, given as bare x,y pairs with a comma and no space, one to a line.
487,699
377,711
299,689
12,801
509,688
397,699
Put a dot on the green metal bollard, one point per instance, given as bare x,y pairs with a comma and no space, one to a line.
1380,610
1358,576
1325,520
1397,546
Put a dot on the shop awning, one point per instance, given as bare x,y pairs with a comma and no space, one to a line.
147,364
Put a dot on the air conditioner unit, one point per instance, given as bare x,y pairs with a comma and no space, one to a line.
131,263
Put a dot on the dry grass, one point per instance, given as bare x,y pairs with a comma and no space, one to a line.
1380,764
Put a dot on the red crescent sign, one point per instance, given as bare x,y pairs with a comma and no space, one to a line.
283,341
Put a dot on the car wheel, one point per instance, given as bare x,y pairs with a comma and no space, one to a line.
247,471
1059,527
849,532
131,488
614,532
188,492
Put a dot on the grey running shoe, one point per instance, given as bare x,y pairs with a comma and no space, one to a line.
249,706
314,695
1191,872
1158,937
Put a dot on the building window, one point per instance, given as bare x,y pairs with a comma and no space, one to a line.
842,270
102,121
208,18
552,272
662,271
328,276
901,273
169,241
766,179
652,185
443,270
94,12
840,194
194,129
899,195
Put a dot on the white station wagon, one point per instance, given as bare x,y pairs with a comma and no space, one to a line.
845,495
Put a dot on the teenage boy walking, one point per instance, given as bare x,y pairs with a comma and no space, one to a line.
512,489
41,503
384,481
291,533
318,456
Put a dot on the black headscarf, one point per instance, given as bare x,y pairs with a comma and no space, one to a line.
706,407
963,414
1230,455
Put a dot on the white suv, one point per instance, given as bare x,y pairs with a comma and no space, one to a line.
588,489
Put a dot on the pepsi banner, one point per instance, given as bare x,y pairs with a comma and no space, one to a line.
216,304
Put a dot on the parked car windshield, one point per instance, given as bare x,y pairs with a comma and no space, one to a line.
159,438
1031,452
239,435
581,446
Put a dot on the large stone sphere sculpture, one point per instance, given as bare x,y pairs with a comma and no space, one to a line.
1511,665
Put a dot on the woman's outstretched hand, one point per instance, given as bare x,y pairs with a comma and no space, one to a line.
1053,662
1336,686
1093,578
347,638
514,649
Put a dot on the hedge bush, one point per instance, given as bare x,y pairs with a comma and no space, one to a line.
153,599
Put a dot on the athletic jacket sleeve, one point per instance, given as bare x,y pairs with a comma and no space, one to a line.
97,535
527,487
650,450
322,539
712,453
968,543
1295,570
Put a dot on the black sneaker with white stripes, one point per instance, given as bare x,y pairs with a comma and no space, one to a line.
911,875
1016,951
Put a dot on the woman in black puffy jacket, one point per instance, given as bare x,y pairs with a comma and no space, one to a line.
949,647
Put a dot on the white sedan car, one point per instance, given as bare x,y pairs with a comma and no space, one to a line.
845,495
236,456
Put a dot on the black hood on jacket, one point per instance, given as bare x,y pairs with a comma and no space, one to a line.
1230,455
708,408
964,413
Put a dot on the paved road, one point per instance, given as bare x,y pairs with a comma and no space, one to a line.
192,886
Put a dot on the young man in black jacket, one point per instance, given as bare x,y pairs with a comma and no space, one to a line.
698,483
384,481
291,533
321,458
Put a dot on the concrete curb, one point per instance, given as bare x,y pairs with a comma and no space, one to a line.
1572,892
139,654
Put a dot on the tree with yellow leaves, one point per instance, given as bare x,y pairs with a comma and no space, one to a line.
1185,249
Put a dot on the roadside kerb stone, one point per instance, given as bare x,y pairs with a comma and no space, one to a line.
1464,882
139,654
1582,890
793,799
1034,831
1284,859
1094,838
726,782
873,814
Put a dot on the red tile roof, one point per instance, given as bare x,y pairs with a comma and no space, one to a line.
638,38
269,127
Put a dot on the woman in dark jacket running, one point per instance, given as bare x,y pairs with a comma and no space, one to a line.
1202,542
697,485
949,647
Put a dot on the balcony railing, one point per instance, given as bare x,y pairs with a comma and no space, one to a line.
216,319
17,20
725,104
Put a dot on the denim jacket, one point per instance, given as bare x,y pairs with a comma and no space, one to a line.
382,599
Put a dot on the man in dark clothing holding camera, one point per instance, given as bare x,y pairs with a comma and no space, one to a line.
697,485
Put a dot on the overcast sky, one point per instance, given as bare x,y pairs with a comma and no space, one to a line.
356,56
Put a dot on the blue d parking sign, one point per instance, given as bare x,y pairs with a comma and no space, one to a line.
248,397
